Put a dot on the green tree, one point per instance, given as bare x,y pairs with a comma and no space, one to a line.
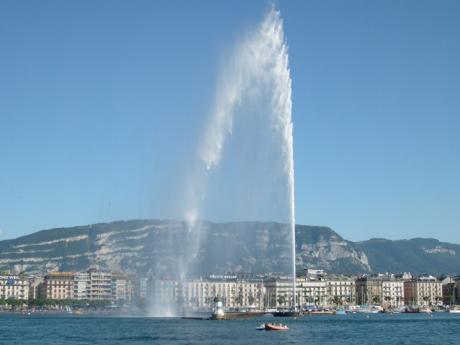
281,299
387,299
337,300
251,299
239,300
14,303
376,299
426,299
438,299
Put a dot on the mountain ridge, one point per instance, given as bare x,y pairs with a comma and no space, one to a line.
150,246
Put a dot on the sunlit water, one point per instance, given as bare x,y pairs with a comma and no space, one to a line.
441,328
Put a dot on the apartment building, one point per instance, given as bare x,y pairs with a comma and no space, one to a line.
278,292
122,288
58,285
424,290
163,294
341,289
90,285
35,282
311,291
141,287
457,289
13,286
100,285
392,292
449,291
82,286
383,289
369,290
203,293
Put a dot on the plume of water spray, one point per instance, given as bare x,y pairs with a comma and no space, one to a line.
259,62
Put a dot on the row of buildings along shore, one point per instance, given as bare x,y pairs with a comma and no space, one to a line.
313,288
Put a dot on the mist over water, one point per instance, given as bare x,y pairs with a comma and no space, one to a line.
244,168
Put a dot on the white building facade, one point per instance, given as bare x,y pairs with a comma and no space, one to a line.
15,287
393,293
312,292
341,290
82,286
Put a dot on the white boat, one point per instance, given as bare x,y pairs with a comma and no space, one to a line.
454,311
370,309
426,310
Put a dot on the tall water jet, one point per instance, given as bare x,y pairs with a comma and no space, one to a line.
257,73
258,68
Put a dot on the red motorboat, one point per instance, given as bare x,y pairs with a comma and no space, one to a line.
275,327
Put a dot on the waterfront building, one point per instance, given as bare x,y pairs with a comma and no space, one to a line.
382,289
35,282
58,285
91,285
457,290
231,292
278,292
141,287
122,288
162,294
316,287
100,285
14,286
449,291
82,286
341,290
424,290
369,290
392,293
311,291
202,293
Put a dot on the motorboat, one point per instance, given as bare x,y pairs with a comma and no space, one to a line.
276,327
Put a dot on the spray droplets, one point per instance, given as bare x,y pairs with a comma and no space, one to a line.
257,72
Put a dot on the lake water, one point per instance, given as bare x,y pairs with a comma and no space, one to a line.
441,328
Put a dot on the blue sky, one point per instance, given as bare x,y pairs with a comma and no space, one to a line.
102,103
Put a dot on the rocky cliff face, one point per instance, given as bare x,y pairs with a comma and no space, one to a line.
322,247
155,246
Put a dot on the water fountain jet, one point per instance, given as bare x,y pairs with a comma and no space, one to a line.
258,65
255,88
